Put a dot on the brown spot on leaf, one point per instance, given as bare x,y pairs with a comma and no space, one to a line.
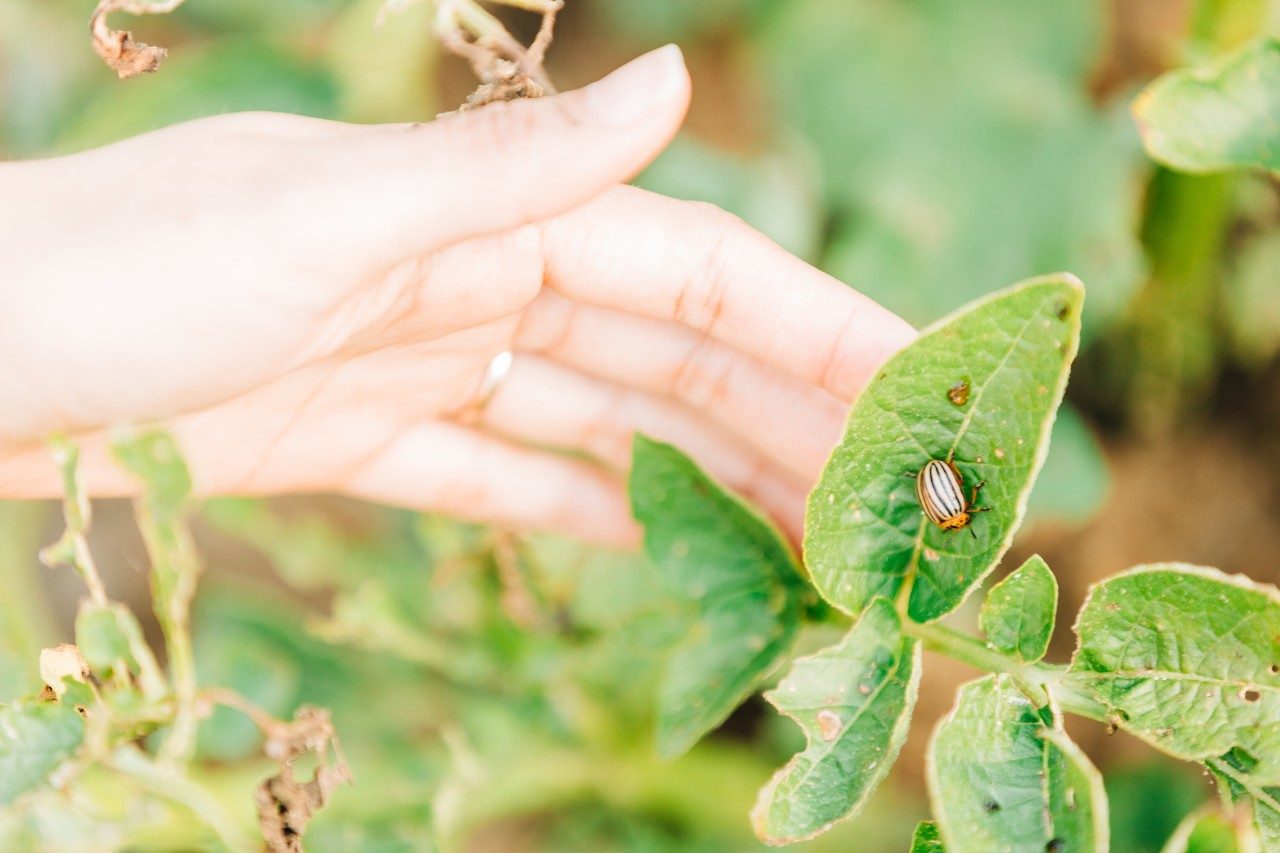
1250,693
958,394
828,724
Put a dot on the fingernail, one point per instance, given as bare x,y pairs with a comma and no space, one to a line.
637,87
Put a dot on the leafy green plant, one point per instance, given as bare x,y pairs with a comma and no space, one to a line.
108,706
1184,657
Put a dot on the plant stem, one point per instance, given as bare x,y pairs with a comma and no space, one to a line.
1044,678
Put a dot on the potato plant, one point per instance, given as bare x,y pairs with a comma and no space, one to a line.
1184,657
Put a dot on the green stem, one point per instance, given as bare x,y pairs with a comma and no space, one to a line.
1043,678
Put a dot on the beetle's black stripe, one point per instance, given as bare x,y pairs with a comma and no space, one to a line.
943,491
952,489
923,496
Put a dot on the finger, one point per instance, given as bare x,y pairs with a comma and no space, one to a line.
461,472
488,170
702,268
793,423
546,404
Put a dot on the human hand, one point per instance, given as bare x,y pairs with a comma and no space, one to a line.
310,306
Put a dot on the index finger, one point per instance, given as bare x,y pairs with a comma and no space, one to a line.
699,266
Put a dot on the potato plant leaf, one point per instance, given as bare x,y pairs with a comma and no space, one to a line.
1017,615
854,702
927,838
35,738
109,635
1240,790
1223,116
981,386
1188,659
1004,777
736,575
1207,830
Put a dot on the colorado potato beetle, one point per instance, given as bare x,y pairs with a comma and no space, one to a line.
940,490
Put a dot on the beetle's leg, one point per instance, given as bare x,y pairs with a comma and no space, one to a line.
971,533
912,474
974,497
973,509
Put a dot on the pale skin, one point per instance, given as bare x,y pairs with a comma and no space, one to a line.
310,307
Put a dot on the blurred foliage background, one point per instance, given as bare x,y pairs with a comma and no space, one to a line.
496,692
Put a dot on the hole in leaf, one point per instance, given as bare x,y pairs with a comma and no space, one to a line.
1275,668
1250,694
991,806
1055,845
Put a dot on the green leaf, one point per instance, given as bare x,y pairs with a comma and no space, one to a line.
737,577
107,634
1238,788
1223,116
1017,615
1188,659
161,512
1207,830
854,703
35,738
958,153
927,838
1002,777
1006,359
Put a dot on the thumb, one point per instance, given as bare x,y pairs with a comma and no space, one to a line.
418,187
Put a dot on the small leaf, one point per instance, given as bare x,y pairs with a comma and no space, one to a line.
1239,789
153,457
1001,779
927,839
1207,830
865,533
1017,616
35,737
1188,659
734,572
1223,116
854,702
108,634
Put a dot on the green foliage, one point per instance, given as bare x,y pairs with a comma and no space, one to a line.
110,638
1018,613
958,147
927,838
35,738
1213,691
865,532
735,574
1003,776
1207,830
854,703
1223,116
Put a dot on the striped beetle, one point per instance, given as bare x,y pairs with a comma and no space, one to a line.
940,490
